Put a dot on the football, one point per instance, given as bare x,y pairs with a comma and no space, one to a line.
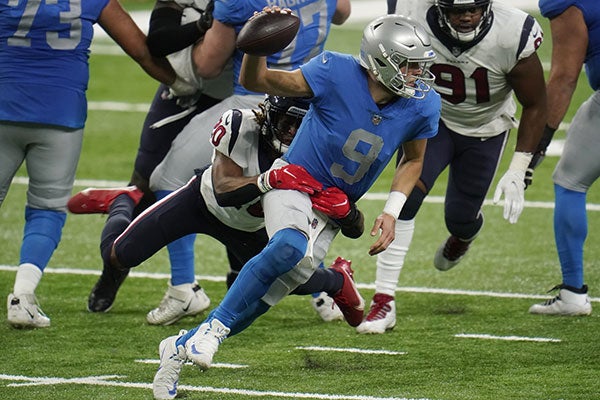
268,33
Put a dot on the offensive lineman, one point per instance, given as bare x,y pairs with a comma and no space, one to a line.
575,27
486,51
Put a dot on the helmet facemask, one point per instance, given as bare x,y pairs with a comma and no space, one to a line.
391,48
445,7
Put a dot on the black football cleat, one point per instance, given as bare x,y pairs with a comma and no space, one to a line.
105,290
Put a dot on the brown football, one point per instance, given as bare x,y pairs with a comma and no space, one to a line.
267,33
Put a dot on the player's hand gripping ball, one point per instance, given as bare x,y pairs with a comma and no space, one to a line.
268,32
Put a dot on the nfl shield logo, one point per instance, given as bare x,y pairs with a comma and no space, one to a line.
376,119
314,223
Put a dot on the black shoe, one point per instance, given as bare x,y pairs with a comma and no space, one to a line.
105,290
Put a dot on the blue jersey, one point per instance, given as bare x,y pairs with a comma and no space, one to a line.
44,70
346,139
591,15
315,22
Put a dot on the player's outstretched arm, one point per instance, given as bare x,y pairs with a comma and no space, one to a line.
406,176
527,81
255,76
123,30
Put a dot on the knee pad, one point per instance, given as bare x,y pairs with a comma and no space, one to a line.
285,249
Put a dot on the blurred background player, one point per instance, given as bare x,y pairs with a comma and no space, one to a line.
189,150
486,52
223,201
575,28
361,112
43,78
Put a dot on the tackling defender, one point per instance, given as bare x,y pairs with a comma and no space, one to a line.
189,150
486,53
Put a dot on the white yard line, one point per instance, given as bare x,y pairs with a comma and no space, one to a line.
212,278
351,350
508,338
107,380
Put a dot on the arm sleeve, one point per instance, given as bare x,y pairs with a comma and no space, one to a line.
166,35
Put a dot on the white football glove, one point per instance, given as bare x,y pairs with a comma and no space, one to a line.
182,88
512,185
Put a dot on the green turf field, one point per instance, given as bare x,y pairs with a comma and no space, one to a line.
461,335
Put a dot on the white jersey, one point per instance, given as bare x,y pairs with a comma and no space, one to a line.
183,63
236,136
477,99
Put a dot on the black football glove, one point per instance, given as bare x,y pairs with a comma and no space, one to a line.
353,224
539,154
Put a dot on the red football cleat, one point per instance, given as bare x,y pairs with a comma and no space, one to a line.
348,299
98,201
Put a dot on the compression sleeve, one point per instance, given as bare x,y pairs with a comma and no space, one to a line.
239,196
166,35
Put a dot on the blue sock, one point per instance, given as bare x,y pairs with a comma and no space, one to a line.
181,254
41,235
570,232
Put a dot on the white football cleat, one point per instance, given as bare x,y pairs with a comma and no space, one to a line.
203,345
326,308
25,312
568,302
172,358
381,316
179,301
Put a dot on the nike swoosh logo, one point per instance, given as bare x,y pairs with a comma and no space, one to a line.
194,350
324,59
29,312
187,306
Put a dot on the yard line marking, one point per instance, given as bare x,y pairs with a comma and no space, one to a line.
213,365
22,180
510,338
118,106
212,278
351,350
102,381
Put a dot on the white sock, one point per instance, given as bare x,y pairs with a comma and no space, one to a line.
27,279
389,262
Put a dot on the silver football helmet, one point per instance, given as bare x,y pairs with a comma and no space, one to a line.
445,6
389,44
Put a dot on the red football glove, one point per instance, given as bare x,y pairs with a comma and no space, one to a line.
332,202
292,177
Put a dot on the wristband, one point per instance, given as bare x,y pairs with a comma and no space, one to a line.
394,203
263,182
520,161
